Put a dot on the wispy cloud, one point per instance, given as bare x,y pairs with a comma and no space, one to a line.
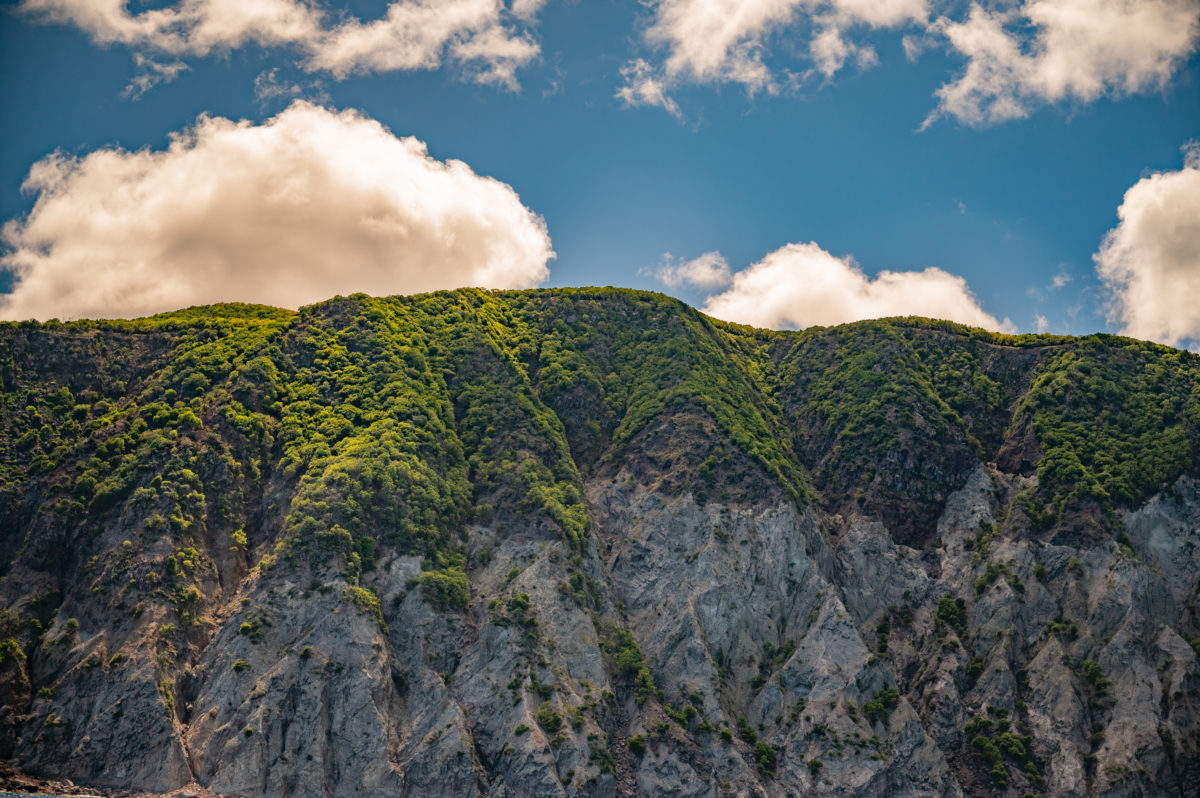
708,271
643,86
269,87
149,73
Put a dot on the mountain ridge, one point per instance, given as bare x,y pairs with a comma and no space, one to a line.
214,486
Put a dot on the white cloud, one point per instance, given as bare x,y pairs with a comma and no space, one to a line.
482,36
1019,53
914,46
306,205
527,9
801,285
1048,51
725,41
643,87
1151,259
707,271
268,87
150,73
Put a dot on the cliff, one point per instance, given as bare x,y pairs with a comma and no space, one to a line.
592,542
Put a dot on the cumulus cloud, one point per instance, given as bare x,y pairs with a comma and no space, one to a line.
726,41
801,285
707,271
1019,53
1047,51
489,40
309,204
1151,260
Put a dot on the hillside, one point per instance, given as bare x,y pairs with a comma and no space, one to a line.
592,542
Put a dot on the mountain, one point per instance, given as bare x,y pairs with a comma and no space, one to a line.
592,542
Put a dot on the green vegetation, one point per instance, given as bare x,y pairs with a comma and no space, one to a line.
995,743
403,418
766,758
879,707
446,587
630,357
549,718
10,650
367,604
1116,419
627,662
952,611
637,745
603,758
383,426
746,731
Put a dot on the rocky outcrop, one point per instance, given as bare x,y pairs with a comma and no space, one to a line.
677,606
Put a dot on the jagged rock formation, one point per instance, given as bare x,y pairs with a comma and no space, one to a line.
591,542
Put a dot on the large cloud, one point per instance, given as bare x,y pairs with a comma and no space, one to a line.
308,204
486,38
1151,259
1054,50
801,285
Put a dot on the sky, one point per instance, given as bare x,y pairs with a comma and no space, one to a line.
1020,165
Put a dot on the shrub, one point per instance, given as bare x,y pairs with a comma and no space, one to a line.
1093,674
766,758
445,588
952,611
549,718
237,541
987,750
637,744
11,649
367,603
746,731
882,704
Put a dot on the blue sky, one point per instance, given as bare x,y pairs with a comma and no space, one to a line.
743,169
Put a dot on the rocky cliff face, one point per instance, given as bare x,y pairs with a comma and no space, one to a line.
589,542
